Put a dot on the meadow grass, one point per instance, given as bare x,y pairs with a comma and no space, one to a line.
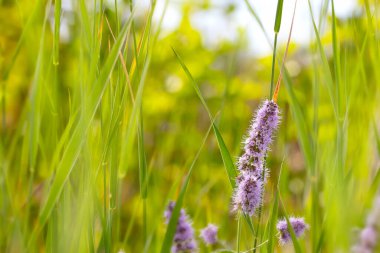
102,129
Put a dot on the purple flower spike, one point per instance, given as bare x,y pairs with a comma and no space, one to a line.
184,236
259,138
298,224
208,234
250,182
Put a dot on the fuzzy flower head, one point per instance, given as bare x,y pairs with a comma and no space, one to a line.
248,193
209,234
298,224
252,176
184,241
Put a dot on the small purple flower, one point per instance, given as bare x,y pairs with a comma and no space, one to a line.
184,237
298,224
208,234
248,193
250,182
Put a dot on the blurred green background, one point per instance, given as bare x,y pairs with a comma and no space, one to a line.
100,123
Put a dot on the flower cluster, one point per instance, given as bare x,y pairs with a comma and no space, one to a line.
298,224
184,241
252,175
369,235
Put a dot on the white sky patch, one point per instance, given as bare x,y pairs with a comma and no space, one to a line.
216,26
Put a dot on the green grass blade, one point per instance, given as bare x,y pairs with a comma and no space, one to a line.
336,57
257,19
238,233
277,22
325,65
227,160
272,225
226,157
57,22
300,121
296,245
377,137
142,158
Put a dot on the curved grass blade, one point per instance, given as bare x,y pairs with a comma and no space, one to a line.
226,157
227,160
256,17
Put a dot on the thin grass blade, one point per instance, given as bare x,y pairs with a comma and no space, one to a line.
172,226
